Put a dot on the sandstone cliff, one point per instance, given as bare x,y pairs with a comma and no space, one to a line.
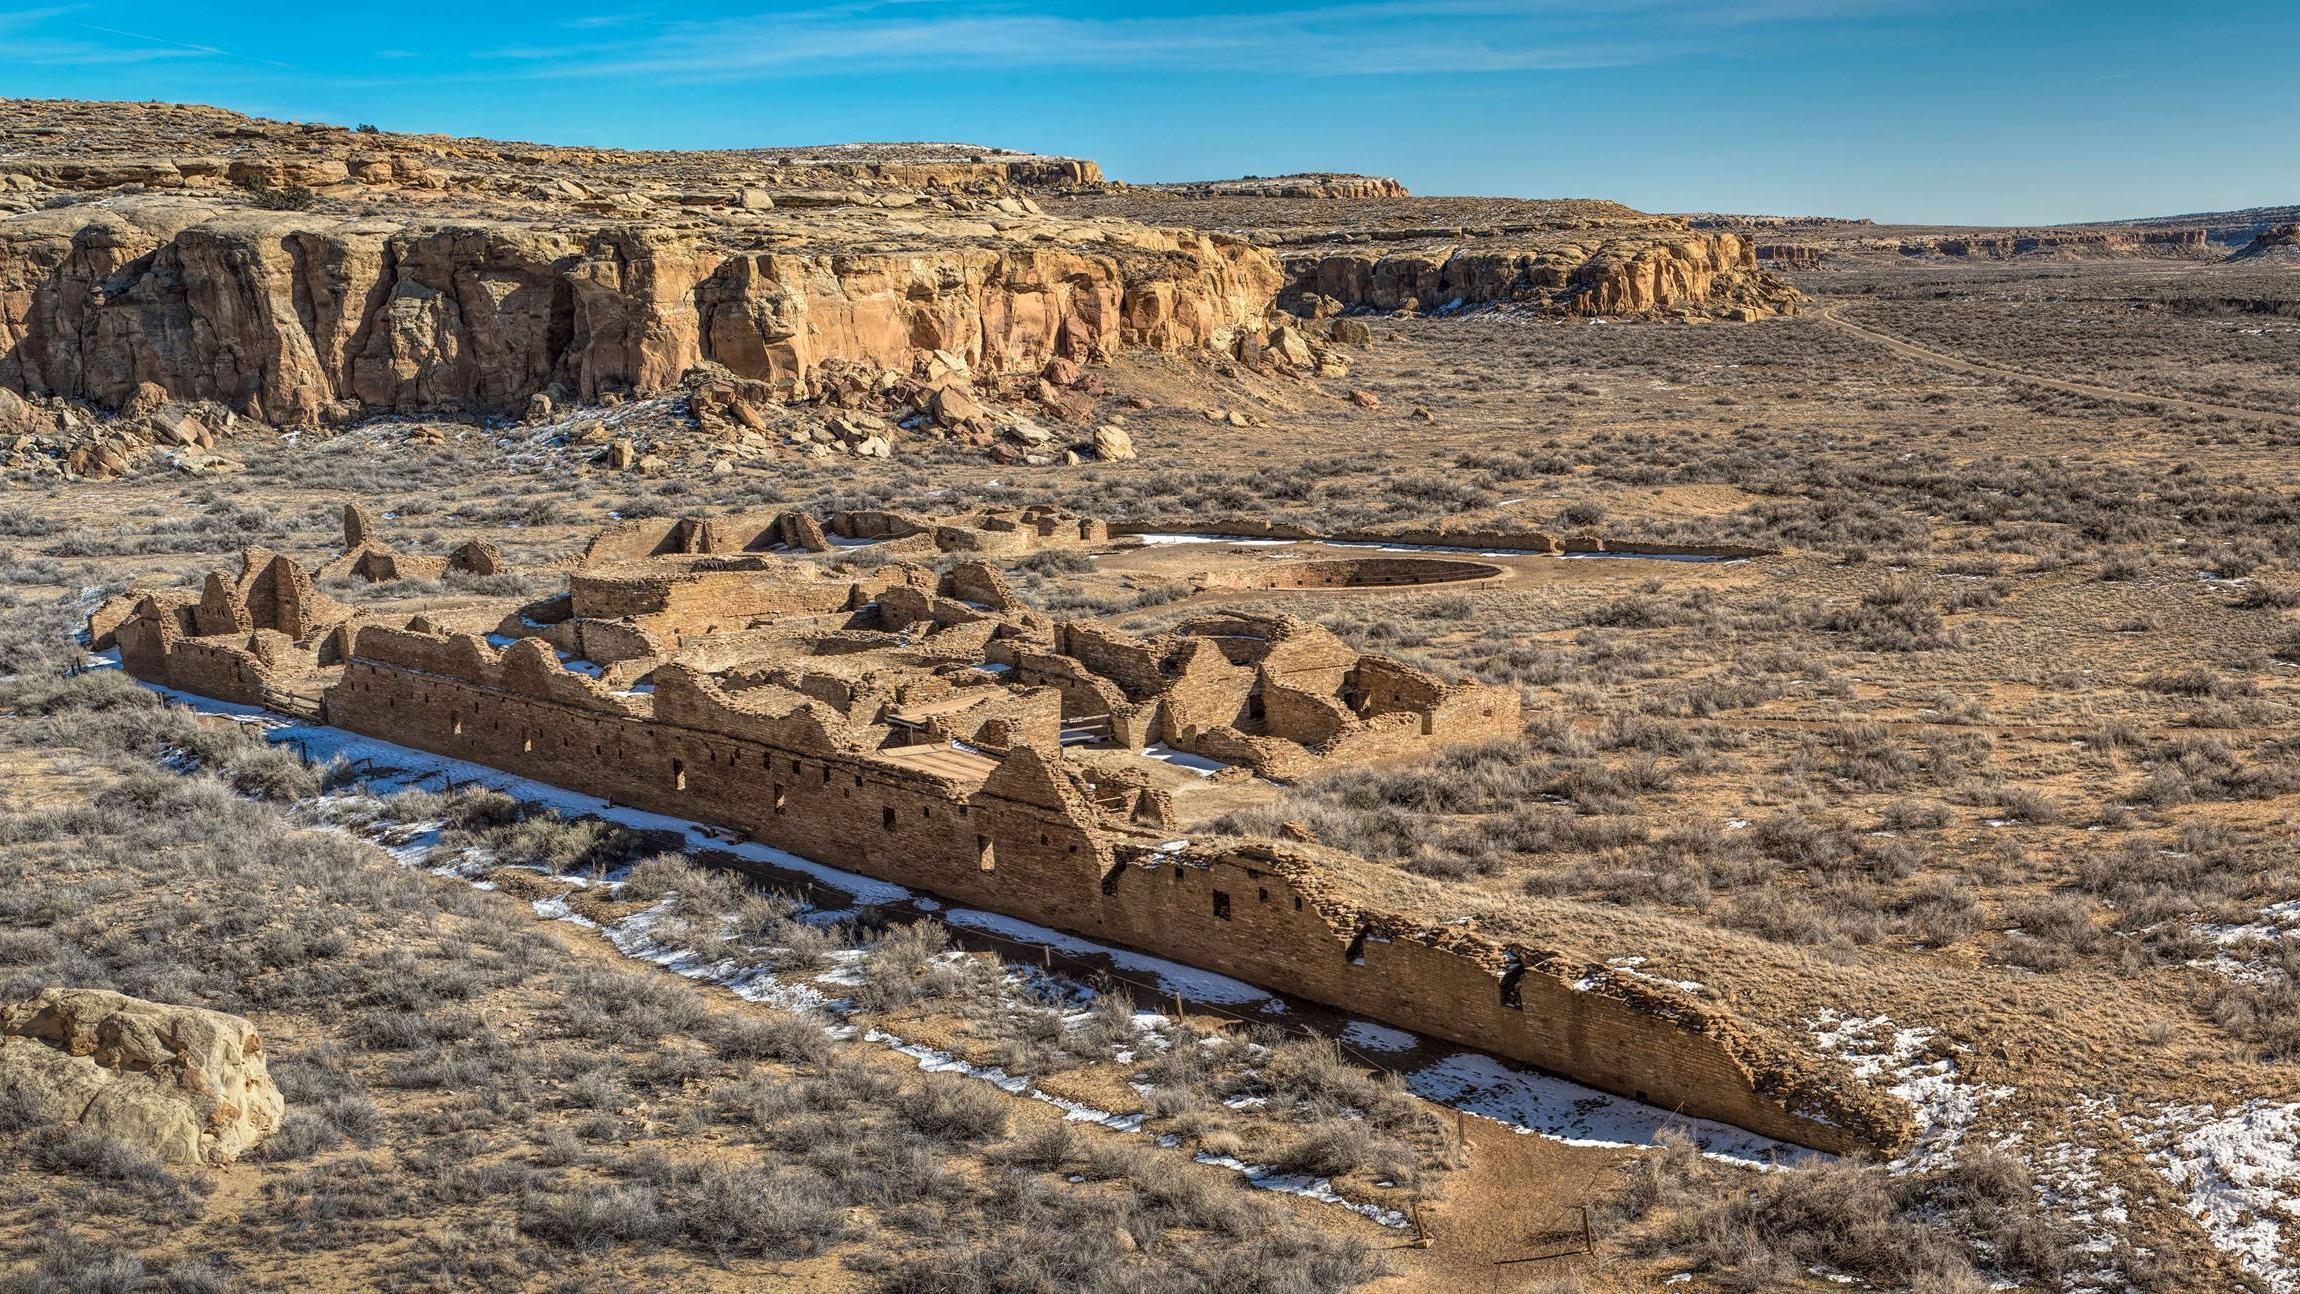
2279,244
2008,244
1791,256
1815,244
294,317
84,146
1641,274
1311,184
154,256
1570,257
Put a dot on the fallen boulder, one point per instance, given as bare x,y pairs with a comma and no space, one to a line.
1113,444
187,1084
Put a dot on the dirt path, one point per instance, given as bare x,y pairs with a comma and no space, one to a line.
1943,358
1512,1216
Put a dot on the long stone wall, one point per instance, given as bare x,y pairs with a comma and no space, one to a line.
1027,841
1239,910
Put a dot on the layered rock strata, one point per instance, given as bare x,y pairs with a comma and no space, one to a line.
1648,274
1310,184
1572,258
295,317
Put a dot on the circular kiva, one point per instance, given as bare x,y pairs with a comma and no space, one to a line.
1350,573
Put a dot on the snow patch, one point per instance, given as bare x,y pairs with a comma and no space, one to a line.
2240,1170
1942,1105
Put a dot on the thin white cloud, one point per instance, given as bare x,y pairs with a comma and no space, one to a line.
1377,37
47,37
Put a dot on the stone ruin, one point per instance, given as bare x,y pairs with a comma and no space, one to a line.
366,556
1003,532
926,727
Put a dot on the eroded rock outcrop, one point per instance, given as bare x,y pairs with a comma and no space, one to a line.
187,1084
1308,184
2279,244
1391,252
294,317
1815,243
1643,274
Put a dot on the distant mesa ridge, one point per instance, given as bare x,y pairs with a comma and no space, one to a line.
2279,244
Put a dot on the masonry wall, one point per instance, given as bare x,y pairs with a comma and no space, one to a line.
1251,923
858,814
704,601
1348,573
223,669
1382,687
1026,843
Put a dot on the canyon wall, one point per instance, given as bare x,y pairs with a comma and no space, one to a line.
1864,243
298,318
1311,184
2005,245
88,146
1676,271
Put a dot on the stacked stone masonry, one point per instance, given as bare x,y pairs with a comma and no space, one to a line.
910,726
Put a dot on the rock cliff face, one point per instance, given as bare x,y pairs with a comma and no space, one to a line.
2060,242
1644,274
296,317
1314,184
1790,256
83,146
1573,257
2279,244
298,274
1815,244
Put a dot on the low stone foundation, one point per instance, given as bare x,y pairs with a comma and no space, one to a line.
1350,573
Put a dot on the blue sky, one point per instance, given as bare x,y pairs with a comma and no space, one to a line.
1948,111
